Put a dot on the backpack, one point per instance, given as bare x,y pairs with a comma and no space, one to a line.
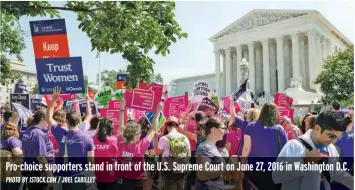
178,152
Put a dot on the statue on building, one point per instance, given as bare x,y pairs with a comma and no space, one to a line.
244,70
296,82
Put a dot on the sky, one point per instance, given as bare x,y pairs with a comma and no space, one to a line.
201,20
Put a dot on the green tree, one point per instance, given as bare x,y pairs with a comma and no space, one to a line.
337,79
86,82
158,79
130,28
35,90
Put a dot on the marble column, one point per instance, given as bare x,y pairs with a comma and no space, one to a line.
280,65
324,49
312,56
251,67
319,54
238,48
258,69
228,72
223,91
273,67
295,56
303,68
266,67
218,72
329,47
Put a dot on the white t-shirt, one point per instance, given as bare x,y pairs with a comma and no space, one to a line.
84,126
164,143
91,132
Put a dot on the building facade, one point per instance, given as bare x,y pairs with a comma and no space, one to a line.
28,78
283,48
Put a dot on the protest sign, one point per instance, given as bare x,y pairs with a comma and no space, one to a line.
137,114
239,92
114,104
71,105
145,97
150,117
20,89
22,99
103,97
199,92
37,103
214,99
118,95
66,73
243,104
49,38
286,112
120,84
282,100
114,115
226,105
22,111
174,106
207,106
82,107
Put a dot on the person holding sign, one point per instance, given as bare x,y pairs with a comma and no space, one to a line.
131,151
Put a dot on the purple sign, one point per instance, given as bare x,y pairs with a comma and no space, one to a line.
20,89
23,99
48,27
121,77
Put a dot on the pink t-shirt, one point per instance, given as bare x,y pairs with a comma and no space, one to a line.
192,128
234,137
132,153
104,152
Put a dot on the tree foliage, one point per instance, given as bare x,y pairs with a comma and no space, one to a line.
337,79
131,28
109,78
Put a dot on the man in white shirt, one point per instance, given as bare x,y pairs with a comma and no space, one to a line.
327,131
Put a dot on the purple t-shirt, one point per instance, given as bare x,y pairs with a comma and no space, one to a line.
239,123
264,140
79,142
10,143
35,143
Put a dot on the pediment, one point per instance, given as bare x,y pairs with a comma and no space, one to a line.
258,18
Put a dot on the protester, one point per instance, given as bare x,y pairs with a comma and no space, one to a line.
132,149
335,106
305,123
37,149
144,123
234,137
85,125
10,143
264,139
105,149
93,126
207,152
9,116
175,147
291,130
73,142
316,145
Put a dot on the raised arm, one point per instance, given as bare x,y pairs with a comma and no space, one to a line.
231,107
152,130
88,115
121,118
50,108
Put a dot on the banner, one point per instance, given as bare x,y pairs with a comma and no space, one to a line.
150,117
282,100
103,97
214,99
120,84
145,98
242,88
207,106
286,112
173,106
36,104
49,38
114,115
199,92
20,89
71,105
82,107
22,111
226,105
66,73
243,104
22,99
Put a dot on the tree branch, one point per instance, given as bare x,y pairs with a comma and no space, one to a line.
66,9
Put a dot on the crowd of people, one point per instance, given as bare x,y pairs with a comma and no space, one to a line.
256,135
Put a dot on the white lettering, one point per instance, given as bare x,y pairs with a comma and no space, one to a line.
50,47
60,78
59,68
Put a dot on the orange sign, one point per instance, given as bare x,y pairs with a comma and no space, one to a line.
50,46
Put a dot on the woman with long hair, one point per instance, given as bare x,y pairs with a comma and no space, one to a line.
264,139
105,149
207,152
305,125
37,148
131,149
93,126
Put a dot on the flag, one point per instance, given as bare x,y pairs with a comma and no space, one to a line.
240,90
22,111
97,54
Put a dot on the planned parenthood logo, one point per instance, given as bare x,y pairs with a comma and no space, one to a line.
36,27
48,27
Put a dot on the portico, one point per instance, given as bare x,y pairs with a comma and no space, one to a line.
283,48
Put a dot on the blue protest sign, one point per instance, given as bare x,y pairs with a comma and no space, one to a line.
121,77
20,88
36,103
150,117
22,99
48,27
82,107
66,73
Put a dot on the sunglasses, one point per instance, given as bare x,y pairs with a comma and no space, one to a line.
333,137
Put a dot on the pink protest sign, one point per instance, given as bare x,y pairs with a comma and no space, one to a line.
114,115
137,114
286,112
173,106
63,96
145,98
226,105
282,100
114,104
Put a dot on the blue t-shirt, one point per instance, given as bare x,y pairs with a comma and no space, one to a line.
323,150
